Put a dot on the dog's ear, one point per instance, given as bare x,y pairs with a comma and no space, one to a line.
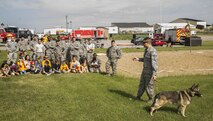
193,86
197,86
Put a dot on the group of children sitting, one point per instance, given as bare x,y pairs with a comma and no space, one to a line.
46,67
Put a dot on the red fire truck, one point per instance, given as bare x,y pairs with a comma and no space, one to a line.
177,35
5,35
93,34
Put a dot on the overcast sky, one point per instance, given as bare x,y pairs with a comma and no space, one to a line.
41,14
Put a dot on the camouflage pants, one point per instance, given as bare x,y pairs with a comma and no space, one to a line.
95,70
58,58
146,84
50,55
12,57
113,64
89,57
40,55
82,58
63,57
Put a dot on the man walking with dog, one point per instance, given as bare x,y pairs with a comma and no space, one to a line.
150,66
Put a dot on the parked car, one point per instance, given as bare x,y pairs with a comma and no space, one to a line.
137,41
156,42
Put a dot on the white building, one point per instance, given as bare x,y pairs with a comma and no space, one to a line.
135,27
112,29
57,30
199,24
161,27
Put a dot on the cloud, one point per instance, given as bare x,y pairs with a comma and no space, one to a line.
48,13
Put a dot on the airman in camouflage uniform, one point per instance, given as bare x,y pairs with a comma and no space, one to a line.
32,48
150,66
82,50
12,49
23,46
63,47
74,48
50,46
90,50
66,52
113,54
58,52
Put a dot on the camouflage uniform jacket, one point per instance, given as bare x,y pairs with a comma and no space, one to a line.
23,45
150,58
75,48
50,46
58,50
82,49
113,53
12,47
32,45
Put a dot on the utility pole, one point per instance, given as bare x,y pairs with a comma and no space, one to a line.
66,25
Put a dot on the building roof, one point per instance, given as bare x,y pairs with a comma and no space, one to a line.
130,25
173,24
188,19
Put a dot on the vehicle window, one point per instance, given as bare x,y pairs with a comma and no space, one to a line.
13,30
21,32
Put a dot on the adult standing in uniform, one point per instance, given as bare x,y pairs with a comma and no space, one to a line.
82,50
150,66
32,48
23,44
113,54
63,47
50,46
12,49
90,49
58,52
66,52
74,48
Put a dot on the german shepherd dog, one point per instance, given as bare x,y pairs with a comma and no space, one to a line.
181,98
